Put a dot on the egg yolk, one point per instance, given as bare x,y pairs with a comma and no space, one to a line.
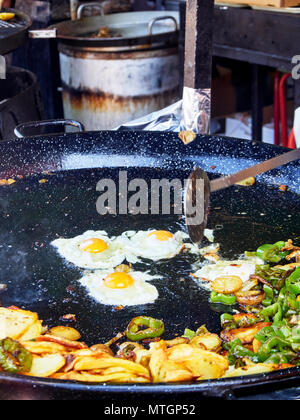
93,246
161,235
118,281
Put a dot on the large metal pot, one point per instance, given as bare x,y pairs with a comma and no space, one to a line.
132,72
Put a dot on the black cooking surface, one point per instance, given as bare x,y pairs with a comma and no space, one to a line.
34,213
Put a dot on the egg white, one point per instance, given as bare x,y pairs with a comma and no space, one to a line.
140,245
240,268
69,249
140,293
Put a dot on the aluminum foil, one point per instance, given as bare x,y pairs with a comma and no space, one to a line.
193,112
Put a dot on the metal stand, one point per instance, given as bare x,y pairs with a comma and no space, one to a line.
198,65
198,43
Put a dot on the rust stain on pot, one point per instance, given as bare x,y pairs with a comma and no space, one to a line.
96,54
101,101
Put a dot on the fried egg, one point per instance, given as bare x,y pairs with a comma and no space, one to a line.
92,250
153,244
157,244
120,288
239,268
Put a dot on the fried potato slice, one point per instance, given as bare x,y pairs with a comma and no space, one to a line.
14,323
211,342
184,363
202,363
33,332
47,365
246,335
96,378
254,369
65,332
106,362
43,347
248,182
227,284
62,341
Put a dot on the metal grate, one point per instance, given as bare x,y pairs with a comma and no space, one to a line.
10,25
13,33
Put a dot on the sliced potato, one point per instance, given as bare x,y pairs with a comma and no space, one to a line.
256,345
250,298
187,137
47,365
246,335
33,332
247,182
202,363
65,332
96,378
185,363
102,348
227,284
211,342
62,341
105,361
14,323
288,267
43,347
250,370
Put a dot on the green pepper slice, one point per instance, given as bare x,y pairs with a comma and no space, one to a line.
292,283
14,358
271,253
223,299
136,331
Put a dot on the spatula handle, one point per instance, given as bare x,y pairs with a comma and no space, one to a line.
228,181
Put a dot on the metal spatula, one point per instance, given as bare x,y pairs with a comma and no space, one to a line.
199,187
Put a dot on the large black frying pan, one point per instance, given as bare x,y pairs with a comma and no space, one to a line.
34,213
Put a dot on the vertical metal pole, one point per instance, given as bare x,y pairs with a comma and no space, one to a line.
182,11
199,43
73,8
198,65
257,103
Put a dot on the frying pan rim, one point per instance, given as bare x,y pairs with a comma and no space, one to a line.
221,384
208,386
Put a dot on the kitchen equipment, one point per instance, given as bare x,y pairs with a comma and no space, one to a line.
130,73
14,33
34,213
20,100
196,229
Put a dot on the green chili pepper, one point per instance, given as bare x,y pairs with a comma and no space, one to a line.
292,283
269,295
155,328
237,351
221,298
14,358
271,253
280,358
189,334
227,322
270,311
265,350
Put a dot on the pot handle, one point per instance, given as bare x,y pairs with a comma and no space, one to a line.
153,22
19,130
84,6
